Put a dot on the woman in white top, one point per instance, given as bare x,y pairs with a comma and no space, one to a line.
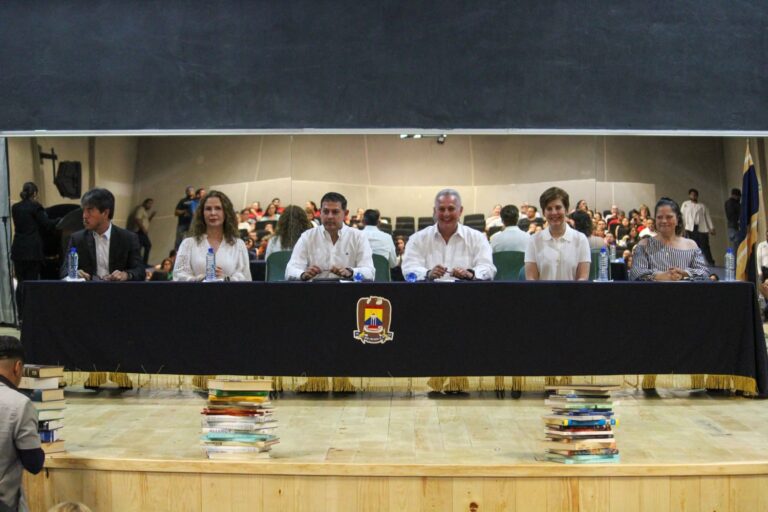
293,222
213,226
558,253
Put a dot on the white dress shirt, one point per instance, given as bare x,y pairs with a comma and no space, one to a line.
762,257
467,248
315,247
102,251
558,258
232,258
511,239
696,214
382,244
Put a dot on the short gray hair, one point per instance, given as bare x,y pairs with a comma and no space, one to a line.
449,192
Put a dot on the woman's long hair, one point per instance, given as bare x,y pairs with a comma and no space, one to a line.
291,224
198,227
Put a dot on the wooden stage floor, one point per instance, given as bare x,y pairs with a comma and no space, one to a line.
683,451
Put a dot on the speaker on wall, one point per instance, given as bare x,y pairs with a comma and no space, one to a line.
68,179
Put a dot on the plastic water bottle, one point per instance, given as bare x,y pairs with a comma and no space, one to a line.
602,274
72,262
210,265
411,277
358,277
730,265
612,249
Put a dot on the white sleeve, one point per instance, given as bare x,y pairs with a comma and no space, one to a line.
364,258
414,259
299,261
182,269
392,254
585,254
242,264
482,263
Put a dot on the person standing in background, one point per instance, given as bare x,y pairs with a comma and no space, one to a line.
29,222
732,214
698,223
184,211
138,222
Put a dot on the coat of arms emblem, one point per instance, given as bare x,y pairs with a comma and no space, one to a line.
374,316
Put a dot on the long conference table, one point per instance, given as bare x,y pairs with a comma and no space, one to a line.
444,329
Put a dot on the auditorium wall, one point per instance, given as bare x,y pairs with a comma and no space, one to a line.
114,164
400,177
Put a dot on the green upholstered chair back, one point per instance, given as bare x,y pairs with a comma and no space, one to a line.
276,264
508,265
381,265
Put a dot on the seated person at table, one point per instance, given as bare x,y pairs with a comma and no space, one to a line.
214,225
105,251
512,238
18,428
333,249
668,257
448,250
293,222
558,253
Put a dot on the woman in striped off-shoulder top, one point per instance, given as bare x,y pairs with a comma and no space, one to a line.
668,256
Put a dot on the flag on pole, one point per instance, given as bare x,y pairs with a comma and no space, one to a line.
750,207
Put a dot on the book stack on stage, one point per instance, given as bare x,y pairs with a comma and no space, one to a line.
580,428
41,384
238,422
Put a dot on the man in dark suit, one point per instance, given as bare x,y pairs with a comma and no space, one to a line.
108,253
105,251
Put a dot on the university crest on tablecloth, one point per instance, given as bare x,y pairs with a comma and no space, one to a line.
374,317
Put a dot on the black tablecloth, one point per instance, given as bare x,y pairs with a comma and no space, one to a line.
519,328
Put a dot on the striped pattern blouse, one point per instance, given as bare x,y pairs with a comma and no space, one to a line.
655,257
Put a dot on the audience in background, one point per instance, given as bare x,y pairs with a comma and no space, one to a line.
271,213
583,224
494,220
698,223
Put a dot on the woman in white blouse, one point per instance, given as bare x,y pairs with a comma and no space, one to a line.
558,253
214,225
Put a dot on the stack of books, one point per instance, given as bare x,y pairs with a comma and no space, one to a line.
41,384
238,421
580,428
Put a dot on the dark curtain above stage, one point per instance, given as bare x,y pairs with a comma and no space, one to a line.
523,328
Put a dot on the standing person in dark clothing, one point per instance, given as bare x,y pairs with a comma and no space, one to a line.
184,210
29,222
732,214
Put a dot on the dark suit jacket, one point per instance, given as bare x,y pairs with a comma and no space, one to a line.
123,253
29,221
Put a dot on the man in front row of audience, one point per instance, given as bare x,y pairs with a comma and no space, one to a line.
381,243
332,249
19,440
107,253
512,238
448,250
